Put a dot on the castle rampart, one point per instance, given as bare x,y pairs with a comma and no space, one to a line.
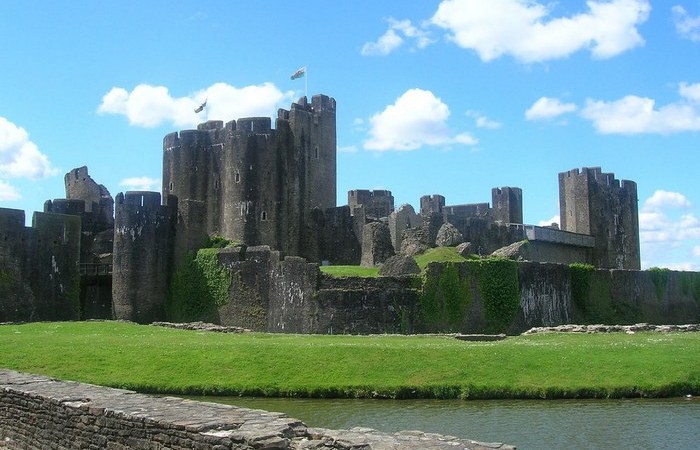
144,237
377,203
39,275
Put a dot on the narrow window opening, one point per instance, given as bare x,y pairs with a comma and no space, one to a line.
316,152
237,177
170,186
263,216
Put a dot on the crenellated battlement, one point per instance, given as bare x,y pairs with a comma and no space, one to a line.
596,203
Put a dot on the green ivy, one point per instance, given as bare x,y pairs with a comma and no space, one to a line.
199,286
580,279
659,276
690,284
216,241
445,297
499,289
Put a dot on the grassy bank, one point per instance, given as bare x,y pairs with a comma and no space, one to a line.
160,360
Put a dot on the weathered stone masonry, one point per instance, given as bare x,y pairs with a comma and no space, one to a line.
38,413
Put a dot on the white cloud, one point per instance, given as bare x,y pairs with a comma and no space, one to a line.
635,115
690,91
19,156
659,223
141,184
481,121
696,251
150,106
665,199
526,30
417,118
392,38
546,223
687,26
8,192
548,108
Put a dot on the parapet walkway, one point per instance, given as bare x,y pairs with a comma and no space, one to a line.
38,412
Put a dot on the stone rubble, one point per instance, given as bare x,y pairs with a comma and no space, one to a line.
599,328
201,326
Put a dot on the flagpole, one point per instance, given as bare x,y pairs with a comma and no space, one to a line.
306,80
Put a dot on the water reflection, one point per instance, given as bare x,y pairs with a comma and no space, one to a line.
529,424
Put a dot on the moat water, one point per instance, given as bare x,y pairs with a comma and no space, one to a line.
528,424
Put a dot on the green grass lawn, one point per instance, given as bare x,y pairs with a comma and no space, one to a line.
350,271
161,360
438,254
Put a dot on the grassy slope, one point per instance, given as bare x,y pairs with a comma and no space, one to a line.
152,359
350,271
438,254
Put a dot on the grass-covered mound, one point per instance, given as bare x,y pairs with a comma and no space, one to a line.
161,360
438,254
351,271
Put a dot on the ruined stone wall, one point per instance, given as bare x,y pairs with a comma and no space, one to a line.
37,413
80,186
377,203
39,276
401,219
329,235
143,242
249,306
485,235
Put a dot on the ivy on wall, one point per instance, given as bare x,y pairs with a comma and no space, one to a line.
690,284
659,276
580,278
499,290
199,286
445,297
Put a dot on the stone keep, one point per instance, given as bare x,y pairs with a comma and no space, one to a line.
595,203
258,184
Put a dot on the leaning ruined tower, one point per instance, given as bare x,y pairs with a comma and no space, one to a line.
596,203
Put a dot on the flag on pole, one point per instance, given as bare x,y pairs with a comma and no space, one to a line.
299,73
201,107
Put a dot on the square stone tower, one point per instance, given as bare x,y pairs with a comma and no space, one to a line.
595,203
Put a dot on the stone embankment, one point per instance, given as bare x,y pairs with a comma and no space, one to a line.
37,412
616,328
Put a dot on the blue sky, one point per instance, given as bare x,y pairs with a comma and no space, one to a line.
451,97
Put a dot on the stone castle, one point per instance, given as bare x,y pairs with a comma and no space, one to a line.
89,256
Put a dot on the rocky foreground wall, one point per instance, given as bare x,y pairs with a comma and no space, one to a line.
38,413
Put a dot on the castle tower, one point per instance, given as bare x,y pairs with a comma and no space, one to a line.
80,186
143,241
377,203
595,203
507,204
432,204
257,185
